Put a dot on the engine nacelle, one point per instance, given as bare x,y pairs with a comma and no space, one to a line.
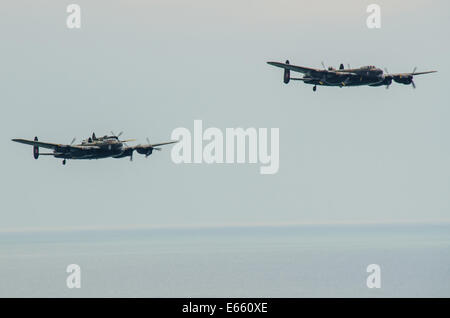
404,79
36,149
287,74
145,151
387,81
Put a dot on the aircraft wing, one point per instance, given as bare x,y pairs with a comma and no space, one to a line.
312,72
148,146
413,74
163,143
47,145
146,149
300,69
53,146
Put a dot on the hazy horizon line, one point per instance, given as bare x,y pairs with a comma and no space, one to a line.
219,225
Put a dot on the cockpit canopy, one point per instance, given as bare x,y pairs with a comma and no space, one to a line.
99,139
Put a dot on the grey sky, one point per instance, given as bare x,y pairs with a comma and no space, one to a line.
146,67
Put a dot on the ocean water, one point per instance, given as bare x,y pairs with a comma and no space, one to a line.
286,261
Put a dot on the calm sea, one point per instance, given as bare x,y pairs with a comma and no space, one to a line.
297,261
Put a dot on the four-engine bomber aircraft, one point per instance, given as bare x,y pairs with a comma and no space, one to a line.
366,75
93,148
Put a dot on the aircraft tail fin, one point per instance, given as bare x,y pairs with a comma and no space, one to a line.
36,149
287,74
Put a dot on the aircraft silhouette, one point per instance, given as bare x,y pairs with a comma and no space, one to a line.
365,75
93,148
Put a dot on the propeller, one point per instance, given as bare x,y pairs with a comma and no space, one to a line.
73,140
412,81
157,148
118,135
387,73
329,68
146,149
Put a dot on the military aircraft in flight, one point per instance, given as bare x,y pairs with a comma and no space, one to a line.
366,75
93,148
